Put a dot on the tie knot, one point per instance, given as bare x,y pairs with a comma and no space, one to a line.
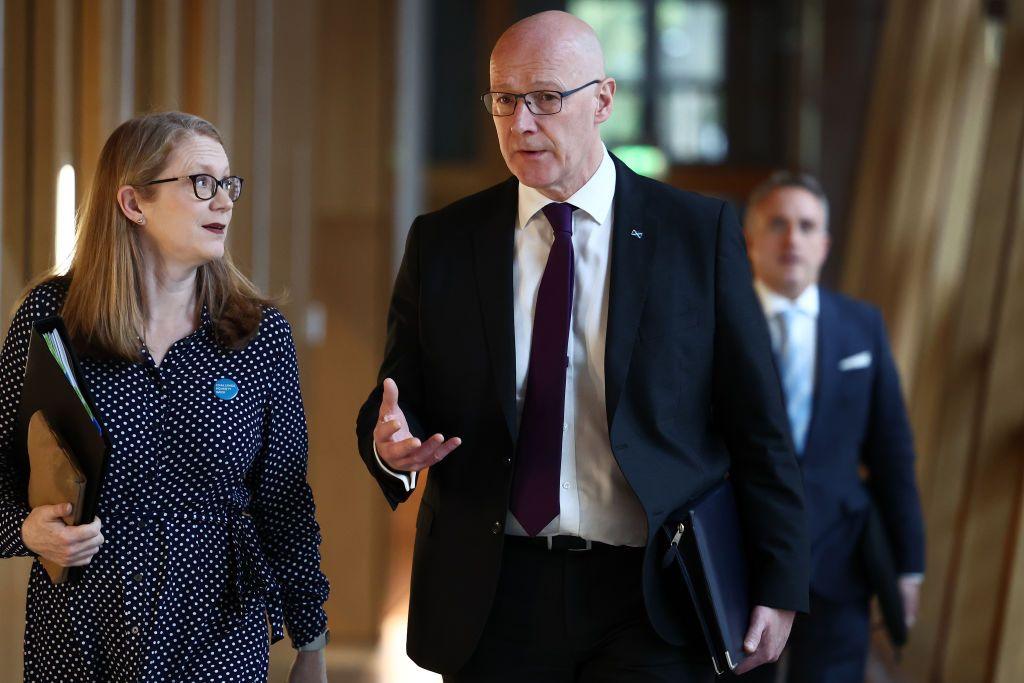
788,314
559,215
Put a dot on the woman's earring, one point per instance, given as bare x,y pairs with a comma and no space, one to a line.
140,220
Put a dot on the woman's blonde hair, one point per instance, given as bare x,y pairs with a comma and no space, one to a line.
105,308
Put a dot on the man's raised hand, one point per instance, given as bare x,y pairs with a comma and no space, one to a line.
396,445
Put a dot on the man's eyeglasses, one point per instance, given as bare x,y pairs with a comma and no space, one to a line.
539,102
205,185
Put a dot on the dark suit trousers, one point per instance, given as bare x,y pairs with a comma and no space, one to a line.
829,645
563,616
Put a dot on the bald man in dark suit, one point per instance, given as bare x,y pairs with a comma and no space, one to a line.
575,353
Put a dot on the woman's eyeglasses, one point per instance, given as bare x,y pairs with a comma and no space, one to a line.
205,185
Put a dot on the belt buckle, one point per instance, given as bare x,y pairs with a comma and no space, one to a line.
587,544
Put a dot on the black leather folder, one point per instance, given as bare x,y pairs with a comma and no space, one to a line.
705,552
47,389
882,577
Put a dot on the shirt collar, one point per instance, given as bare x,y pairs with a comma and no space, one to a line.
595,197
773,303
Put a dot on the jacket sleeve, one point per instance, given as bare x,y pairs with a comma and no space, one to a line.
888,453
748,409
40,303
402,364
282,504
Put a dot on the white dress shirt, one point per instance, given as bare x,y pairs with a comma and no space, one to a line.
795,352
805,325
595,502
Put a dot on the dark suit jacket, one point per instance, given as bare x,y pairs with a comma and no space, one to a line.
691,393
858,421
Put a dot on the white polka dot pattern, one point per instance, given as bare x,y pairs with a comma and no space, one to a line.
209,522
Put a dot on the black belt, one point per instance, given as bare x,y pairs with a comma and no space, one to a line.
574,543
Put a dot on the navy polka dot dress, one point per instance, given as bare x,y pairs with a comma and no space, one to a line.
211,538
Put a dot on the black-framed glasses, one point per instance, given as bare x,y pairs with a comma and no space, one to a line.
539,102
205,185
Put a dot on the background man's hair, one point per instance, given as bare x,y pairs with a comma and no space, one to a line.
783,178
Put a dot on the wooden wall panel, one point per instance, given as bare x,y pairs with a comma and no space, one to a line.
14,215
956,210
1007,439
103,70
885,127
16,158
239,120
96,68
44,155
936,240
351,280
917,219
992,506
163,37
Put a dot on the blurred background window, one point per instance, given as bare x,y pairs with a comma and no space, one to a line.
669,58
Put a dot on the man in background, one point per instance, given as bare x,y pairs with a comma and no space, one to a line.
846,417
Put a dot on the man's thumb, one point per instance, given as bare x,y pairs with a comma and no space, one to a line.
753,638
390,396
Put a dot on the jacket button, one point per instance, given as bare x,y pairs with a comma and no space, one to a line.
508,461
137,578
496,528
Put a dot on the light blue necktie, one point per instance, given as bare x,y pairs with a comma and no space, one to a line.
795,366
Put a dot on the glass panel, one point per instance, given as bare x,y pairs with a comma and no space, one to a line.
620,27
691,39
691,125
626,122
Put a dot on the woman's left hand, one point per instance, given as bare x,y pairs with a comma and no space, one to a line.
309,667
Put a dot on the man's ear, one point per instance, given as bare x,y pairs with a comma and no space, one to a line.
605,95
128,200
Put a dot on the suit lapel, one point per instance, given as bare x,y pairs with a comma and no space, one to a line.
826,361
632,251
494,249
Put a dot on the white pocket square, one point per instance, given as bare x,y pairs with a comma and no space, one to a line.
856,361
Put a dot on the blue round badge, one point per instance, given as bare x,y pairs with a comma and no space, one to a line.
225,389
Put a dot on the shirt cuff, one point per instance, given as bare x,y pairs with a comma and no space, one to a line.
916,577
14,544
318,643
408,479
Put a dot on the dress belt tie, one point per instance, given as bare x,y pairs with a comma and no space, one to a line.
250,577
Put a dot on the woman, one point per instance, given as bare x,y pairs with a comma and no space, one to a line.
208,527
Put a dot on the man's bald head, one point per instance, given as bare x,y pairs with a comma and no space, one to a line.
557,53
554,38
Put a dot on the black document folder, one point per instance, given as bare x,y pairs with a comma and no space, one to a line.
705,551
68,407
883,579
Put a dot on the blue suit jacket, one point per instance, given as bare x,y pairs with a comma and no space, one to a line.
858,426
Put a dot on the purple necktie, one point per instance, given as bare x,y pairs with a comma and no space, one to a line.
539,451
